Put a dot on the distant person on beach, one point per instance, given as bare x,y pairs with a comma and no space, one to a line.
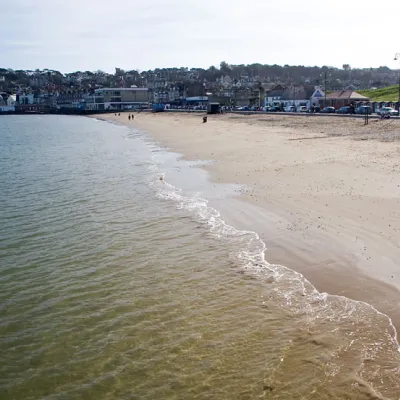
119,114
129,117
133,117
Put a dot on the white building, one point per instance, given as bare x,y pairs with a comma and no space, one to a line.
174,94
318,95
302,95
274,96
12,100
226,81
9,105
122,98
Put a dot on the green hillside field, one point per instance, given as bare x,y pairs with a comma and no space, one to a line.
389,93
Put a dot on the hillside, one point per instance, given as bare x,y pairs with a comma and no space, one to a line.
389,93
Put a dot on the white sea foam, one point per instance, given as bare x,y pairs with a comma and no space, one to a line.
299,293
252,249
351,322
291,288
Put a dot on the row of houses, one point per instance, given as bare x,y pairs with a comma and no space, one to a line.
138,97
100,99
301,95
312,96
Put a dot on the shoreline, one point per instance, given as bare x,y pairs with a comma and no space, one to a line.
324,203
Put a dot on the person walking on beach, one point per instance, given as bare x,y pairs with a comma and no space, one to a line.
129,117
133,117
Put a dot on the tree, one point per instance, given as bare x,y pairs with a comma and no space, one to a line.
224,67
347,68
384,69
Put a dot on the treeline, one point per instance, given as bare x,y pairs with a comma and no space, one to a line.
361,77
287,74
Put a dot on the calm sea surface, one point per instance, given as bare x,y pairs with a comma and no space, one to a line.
116,284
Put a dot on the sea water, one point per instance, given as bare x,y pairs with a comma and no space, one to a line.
119,281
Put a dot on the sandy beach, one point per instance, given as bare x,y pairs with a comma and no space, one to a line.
322,192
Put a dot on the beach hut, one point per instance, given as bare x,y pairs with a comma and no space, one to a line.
213,108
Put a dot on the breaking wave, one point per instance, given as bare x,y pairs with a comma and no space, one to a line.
354,327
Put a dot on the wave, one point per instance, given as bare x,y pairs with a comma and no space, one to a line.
372,335
355,327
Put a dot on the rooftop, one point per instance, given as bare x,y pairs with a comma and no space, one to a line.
122,89
346,95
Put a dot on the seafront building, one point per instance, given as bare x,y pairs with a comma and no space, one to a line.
341,98
7,103
11,101
119,98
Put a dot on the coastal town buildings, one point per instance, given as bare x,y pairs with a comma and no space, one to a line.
252,86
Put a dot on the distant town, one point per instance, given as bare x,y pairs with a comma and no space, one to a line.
247,87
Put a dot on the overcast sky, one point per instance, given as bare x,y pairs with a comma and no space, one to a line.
70,35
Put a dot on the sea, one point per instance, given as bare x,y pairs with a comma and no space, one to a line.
119,280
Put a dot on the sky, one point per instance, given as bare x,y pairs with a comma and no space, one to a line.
71,35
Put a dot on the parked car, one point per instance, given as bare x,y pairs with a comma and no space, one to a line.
268,108
303,109
329,110
387,111
364,110
290,109
345,110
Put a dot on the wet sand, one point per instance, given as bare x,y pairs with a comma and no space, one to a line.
322,192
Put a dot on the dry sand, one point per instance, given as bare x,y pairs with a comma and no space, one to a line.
322,192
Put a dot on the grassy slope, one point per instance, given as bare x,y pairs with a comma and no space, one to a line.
390,93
